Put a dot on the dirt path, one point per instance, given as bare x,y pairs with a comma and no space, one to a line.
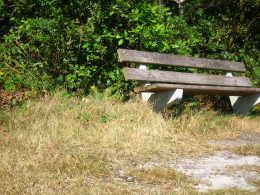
216,171
220,171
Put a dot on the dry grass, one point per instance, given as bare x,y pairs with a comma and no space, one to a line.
243,168
57,146
249,149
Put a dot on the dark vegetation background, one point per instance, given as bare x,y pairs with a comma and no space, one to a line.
50,44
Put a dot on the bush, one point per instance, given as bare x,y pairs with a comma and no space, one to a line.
49,44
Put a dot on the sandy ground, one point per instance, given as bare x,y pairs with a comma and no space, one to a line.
216,171
219,171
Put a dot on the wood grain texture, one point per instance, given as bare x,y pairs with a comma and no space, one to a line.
142,57
199,90
157,76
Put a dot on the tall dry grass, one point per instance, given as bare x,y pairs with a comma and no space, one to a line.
58,146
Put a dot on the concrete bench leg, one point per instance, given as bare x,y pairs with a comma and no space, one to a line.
167,98
242,105
146,96
162,99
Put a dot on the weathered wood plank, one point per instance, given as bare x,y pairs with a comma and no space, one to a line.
199,90
143,57
157,76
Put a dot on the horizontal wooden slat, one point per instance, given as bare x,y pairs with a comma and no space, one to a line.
199,90
158,76
143,57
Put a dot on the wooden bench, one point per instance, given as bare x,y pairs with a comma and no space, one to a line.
167,87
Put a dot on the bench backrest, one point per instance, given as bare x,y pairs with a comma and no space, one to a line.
141,57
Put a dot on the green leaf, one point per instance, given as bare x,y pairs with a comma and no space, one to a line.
120,42
111,75
14,101
27,93
194,103
193,70
66,96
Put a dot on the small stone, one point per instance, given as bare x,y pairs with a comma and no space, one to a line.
129,179
120,173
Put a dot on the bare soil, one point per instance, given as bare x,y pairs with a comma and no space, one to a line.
221,170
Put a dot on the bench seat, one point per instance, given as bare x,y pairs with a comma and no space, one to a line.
198,89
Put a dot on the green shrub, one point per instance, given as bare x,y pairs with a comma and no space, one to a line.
73,44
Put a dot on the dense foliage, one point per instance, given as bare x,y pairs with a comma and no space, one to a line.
230,30
49,43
